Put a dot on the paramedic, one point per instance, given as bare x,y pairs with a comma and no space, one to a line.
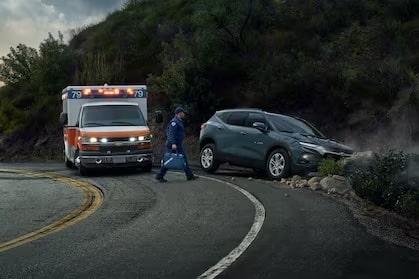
175,136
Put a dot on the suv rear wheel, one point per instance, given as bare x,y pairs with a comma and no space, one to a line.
207,158
278,164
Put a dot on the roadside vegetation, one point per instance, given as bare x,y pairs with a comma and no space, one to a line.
330,167
389,180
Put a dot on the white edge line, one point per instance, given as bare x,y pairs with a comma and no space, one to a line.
228,260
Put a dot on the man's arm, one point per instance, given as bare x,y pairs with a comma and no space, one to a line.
171,138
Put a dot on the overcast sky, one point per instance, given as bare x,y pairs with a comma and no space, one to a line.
29,21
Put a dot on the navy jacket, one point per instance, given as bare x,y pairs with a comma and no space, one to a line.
175,132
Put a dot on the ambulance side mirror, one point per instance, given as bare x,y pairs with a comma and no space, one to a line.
63,118
159,116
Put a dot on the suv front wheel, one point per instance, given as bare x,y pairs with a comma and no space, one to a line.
277,164
207,158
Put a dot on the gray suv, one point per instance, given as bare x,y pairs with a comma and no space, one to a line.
275,144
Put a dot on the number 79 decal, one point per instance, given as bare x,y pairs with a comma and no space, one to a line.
140,93
76,94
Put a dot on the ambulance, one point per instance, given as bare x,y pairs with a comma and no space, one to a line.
106,127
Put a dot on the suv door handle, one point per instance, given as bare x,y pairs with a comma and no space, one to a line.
243,133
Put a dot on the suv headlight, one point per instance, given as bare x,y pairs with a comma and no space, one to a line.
314,147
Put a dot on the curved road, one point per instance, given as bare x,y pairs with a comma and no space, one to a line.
180,229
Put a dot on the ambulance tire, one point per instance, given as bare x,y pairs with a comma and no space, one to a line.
147,168
68,163
82,170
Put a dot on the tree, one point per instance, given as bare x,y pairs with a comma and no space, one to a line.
55,66
18,65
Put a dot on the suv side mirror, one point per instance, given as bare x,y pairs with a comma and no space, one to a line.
260,126
63,118
159,116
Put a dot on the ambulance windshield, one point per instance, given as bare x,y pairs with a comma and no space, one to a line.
112,115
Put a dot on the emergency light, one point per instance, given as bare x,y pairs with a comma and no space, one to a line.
105,93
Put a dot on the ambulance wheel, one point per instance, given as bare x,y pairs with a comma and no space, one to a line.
68,163
82,170
147,168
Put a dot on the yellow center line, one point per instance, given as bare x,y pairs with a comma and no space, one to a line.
93,199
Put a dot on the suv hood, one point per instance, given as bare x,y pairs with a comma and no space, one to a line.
325,145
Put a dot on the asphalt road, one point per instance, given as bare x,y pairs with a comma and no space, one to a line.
180,229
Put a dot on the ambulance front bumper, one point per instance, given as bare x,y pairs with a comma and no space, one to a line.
94,161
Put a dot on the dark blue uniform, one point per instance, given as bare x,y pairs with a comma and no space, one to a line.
175,135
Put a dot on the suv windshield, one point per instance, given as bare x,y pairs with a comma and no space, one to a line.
115,115
293,125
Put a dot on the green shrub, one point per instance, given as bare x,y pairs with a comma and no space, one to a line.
408,204
384,182
330,166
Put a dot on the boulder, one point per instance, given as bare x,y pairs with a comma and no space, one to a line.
313,181
335,184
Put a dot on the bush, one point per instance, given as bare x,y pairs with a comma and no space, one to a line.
408,204
330,166
381,183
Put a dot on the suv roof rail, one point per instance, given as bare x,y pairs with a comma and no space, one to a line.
244,108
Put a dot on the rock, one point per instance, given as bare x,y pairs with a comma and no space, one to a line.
233,178
313,180
295,178
339,186
250,178
287,195
315,186
339,177
303,183
283,180
331,191
358,160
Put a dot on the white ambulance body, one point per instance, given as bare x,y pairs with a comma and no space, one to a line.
106,127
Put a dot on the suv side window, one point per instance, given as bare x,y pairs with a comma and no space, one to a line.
237,118
223,116
254,117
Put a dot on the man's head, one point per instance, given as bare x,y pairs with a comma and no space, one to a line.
180,112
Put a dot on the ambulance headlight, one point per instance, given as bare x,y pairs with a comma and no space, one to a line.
145,138
89,140
132,139
103,140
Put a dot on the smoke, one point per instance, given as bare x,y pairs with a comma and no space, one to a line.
373,128
413,165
